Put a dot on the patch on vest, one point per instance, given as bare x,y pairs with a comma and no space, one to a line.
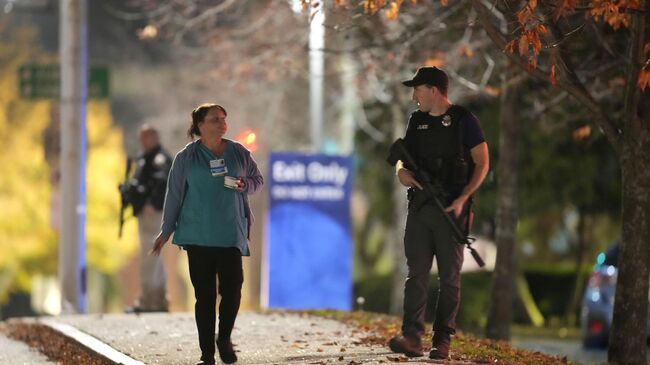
446,120
159,160
422,126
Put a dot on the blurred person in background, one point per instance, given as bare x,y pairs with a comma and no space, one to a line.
207,209
145,192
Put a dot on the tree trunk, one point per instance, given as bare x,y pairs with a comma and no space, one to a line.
627,339
627,344
500,313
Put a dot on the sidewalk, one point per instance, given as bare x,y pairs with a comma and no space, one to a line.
14,352
274,338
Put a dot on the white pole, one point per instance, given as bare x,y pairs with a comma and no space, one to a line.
73,33
350,103
316,73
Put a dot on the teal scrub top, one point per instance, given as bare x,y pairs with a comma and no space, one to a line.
212,215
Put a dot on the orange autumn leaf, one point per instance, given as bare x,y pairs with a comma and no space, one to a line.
532,4
533,39
542,29
442,2
466,51
437,61
564,7
523,45
582,133
616,82
372,6
553,79
492,91
524,15
510,47
644,79
393,12
613,12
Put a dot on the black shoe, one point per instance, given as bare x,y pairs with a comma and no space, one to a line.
440,346
226,351
137,310
133,310
408,346
207,362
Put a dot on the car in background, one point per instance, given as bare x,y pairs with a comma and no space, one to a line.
598,301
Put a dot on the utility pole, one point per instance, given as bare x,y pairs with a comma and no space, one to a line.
316,74
73,38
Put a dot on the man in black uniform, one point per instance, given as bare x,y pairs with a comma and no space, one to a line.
146,194
446,141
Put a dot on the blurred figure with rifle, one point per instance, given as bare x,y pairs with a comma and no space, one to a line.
145,192
446,161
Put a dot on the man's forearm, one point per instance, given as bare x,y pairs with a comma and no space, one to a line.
480,172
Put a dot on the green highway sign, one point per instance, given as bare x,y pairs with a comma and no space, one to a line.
39,81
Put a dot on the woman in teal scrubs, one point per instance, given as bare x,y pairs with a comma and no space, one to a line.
207,209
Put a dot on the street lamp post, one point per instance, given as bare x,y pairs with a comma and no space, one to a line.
73,35
316,75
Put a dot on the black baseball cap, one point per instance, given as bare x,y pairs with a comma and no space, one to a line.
429,76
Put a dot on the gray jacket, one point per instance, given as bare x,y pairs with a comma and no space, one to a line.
176,184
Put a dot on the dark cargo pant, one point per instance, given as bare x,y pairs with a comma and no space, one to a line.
427,235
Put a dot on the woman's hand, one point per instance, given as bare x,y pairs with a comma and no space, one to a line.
158,244
241,185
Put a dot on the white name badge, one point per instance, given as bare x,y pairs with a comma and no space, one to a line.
218,167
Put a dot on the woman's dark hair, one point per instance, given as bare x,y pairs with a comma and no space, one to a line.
198,115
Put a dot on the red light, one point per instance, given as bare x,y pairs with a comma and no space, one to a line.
596,327
249,139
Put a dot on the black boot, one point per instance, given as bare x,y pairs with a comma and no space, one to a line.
410,347
226,351
440,345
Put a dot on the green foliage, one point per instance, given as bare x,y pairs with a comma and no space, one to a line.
106,164
27,243
475,297
560,170
28,236
550,286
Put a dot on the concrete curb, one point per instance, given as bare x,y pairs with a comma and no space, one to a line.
89,343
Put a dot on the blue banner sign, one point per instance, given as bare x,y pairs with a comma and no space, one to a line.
309,245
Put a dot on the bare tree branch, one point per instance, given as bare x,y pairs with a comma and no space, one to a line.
637,59
205,14
576,90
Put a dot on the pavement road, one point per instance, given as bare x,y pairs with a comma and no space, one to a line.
572,349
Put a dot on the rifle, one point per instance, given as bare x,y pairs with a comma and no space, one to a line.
432,191
124,193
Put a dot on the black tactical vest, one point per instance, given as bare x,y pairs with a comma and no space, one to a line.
436,144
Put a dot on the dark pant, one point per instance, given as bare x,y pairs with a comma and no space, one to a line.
206,263
428,235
